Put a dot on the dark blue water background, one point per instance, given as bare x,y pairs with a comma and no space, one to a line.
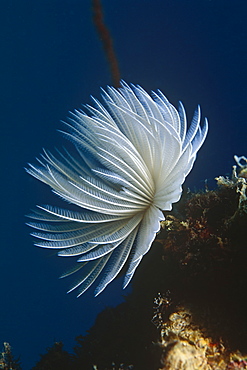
51,61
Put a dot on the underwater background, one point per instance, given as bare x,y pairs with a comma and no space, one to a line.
51,62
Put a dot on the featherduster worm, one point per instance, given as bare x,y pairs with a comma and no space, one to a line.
133,154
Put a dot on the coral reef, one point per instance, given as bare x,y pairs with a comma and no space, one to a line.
202,322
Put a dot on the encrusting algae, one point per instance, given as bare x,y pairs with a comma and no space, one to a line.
202,319
187,347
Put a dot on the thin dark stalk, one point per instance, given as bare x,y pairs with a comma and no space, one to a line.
107,42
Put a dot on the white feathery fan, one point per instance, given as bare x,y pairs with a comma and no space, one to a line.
134,153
